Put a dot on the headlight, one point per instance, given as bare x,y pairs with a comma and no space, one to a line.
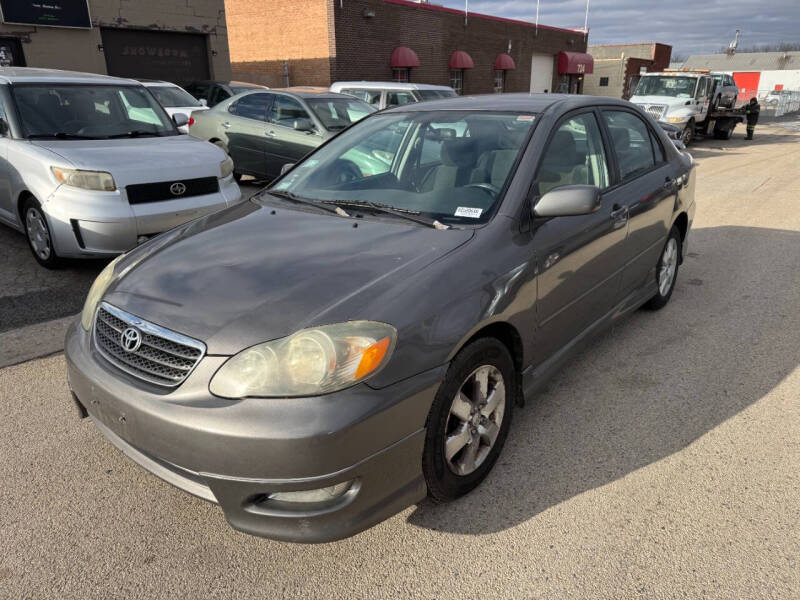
677,119
87,180
96,292
312,361
226,167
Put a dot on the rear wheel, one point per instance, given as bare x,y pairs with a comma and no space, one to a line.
38,233
469,419
666,271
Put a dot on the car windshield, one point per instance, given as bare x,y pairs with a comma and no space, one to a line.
89,111
451,166
677,87
170,96
338,113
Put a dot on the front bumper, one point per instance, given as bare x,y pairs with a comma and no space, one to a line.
86,223
236,453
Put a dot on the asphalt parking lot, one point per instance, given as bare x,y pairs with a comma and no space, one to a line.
660,463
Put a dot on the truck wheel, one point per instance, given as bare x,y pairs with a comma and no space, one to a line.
688,133
723,134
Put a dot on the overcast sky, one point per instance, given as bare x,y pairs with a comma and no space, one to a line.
689,26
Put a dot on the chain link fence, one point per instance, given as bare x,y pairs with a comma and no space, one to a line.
774,103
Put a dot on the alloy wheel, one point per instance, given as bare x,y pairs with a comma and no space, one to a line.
669,264
38,235
474,421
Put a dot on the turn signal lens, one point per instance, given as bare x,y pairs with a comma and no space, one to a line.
372,358
191,121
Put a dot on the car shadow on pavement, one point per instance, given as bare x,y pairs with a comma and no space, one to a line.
651,386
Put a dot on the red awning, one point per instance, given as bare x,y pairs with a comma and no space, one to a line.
504,62
461,60
575,63
404,57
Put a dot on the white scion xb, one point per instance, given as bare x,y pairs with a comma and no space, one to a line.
92,165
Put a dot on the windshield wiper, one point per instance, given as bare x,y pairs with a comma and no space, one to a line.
404,213
300,200
60,135
133,134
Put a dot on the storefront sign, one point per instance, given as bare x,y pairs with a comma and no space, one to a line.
47,13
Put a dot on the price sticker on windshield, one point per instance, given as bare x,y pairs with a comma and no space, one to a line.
467,211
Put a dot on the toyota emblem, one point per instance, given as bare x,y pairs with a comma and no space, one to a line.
131,339
178,188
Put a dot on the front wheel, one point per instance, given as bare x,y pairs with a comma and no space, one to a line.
38,233
666,271
469,419
688,133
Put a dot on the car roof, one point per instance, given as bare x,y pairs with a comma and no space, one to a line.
156,82
533,103
311,93
389,85
33,75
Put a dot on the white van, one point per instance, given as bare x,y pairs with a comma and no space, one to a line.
383,94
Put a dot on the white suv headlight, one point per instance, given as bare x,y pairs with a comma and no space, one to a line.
87,180
319,360
226,167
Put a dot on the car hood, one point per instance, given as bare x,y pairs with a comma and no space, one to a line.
141,160
257,272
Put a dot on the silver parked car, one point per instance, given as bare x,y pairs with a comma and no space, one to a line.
93,165
726,92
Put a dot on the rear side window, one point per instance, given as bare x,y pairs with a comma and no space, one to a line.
252,106
218,95
574,156
399,98
630,138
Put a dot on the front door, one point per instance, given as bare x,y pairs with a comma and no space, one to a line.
285,144
541,73
579,259
246,130
647,188
702,97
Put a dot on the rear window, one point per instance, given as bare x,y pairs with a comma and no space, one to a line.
170,97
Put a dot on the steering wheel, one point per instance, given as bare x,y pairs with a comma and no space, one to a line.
486,187
346,171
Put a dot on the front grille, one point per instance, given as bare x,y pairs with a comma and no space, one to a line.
654,110
164,357
141,193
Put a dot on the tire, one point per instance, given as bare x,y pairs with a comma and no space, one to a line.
667,266
688,134
237,177
723,134
37,231
448,479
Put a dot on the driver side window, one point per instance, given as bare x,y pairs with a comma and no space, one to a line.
285,110
574,156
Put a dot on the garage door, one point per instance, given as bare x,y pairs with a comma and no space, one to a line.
178,57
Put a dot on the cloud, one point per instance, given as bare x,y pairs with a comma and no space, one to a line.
689,26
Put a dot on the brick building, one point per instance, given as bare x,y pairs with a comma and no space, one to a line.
176,40
317,42
617,67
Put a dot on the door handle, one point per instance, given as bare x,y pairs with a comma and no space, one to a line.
226,125
269,133
619,214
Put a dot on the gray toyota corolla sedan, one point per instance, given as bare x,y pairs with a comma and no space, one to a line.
354,338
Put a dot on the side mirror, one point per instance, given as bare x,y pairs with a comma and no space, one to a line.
568,201
180,119
303,125
286,167
203,102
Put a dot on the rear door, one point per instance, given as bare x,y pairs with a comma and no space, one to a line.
285,144
580,258
246,129
646,192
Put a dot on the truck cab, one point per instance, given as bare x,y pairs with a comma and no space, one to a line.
681,98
